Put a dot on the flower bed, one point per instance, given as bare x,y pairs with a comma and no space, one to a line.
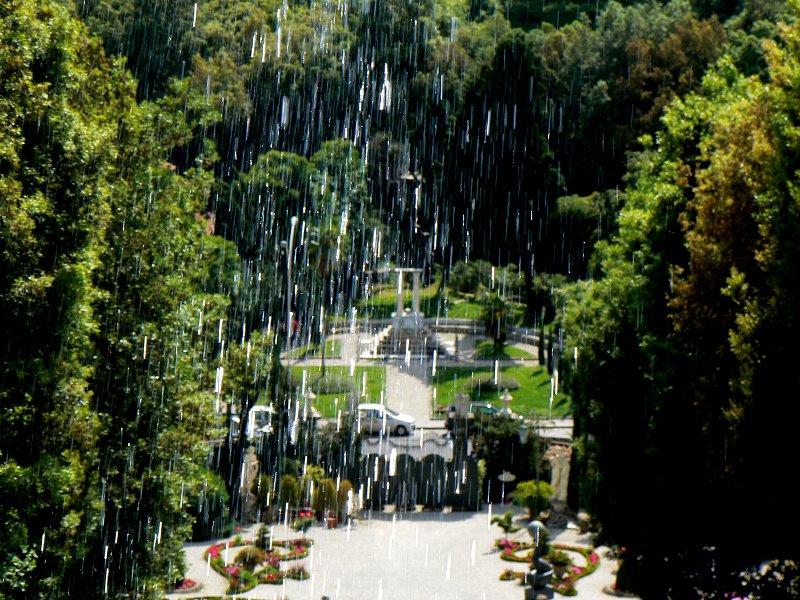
512,552
186,586
241,579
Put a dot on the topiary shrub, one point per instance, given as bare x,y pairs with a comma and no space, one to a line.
250,558
263,538
533,495
324,497
289,492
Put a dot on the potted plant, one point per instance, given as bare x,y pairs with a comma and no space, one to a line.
560,561
303,522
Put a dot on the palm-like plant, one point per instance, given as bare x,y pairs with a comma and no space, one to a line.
323,257
506,523
495,319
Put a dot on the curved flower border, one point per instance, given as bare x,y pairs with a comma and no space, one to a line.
566,585
242,580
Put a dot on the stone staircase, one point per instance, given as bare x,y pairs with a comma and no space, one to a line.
400,342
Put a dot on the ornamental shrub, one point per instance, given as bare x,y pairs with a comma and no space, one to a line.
263,538
533,495
325,496
289,491
250,558
559,558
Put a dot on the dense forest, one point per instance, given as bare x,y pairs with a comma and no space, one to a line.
637,162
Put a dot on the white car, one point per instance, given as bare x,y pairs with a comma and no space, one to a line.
374,418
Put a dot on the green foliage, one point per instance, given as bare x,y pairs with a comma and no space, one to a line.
302,523
506,522
118,306
530,386
559,558
534,495
684,313
250,558
289,491
499,445
99,271
469,277
495,318
343,494
325,497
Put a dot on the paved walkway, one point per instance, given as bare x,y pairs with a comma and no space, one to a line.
417,556
408,390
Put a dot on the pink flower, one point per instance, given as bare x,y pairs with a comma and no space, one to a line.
593,558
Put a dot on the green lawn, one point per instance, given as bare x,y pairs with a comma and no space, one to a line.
530,399
469,306
485,350
461,307
338,386
381,304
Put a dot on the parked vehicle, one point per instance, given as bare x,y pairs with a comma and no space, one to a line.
473,414
374,418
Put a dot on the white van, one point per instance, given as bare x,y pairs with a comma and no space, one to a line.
374,418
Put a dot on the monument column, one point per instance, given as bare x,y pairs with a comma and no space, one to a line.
399,304
415,302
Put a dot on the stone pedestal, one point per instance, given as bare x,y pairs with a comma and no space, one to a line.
403,319
538,581
560,514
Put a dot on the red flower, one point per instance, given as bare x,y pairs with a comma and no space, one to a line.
186,584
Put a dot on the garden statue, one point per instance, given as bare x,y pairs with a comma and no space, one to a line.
559,456
249,501
540,575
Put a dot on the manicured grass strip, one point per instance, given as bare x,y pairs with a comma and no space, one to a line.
485,350
338,386
531,398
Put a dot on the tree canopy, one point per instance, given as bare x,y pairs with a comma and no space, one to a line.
635,163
